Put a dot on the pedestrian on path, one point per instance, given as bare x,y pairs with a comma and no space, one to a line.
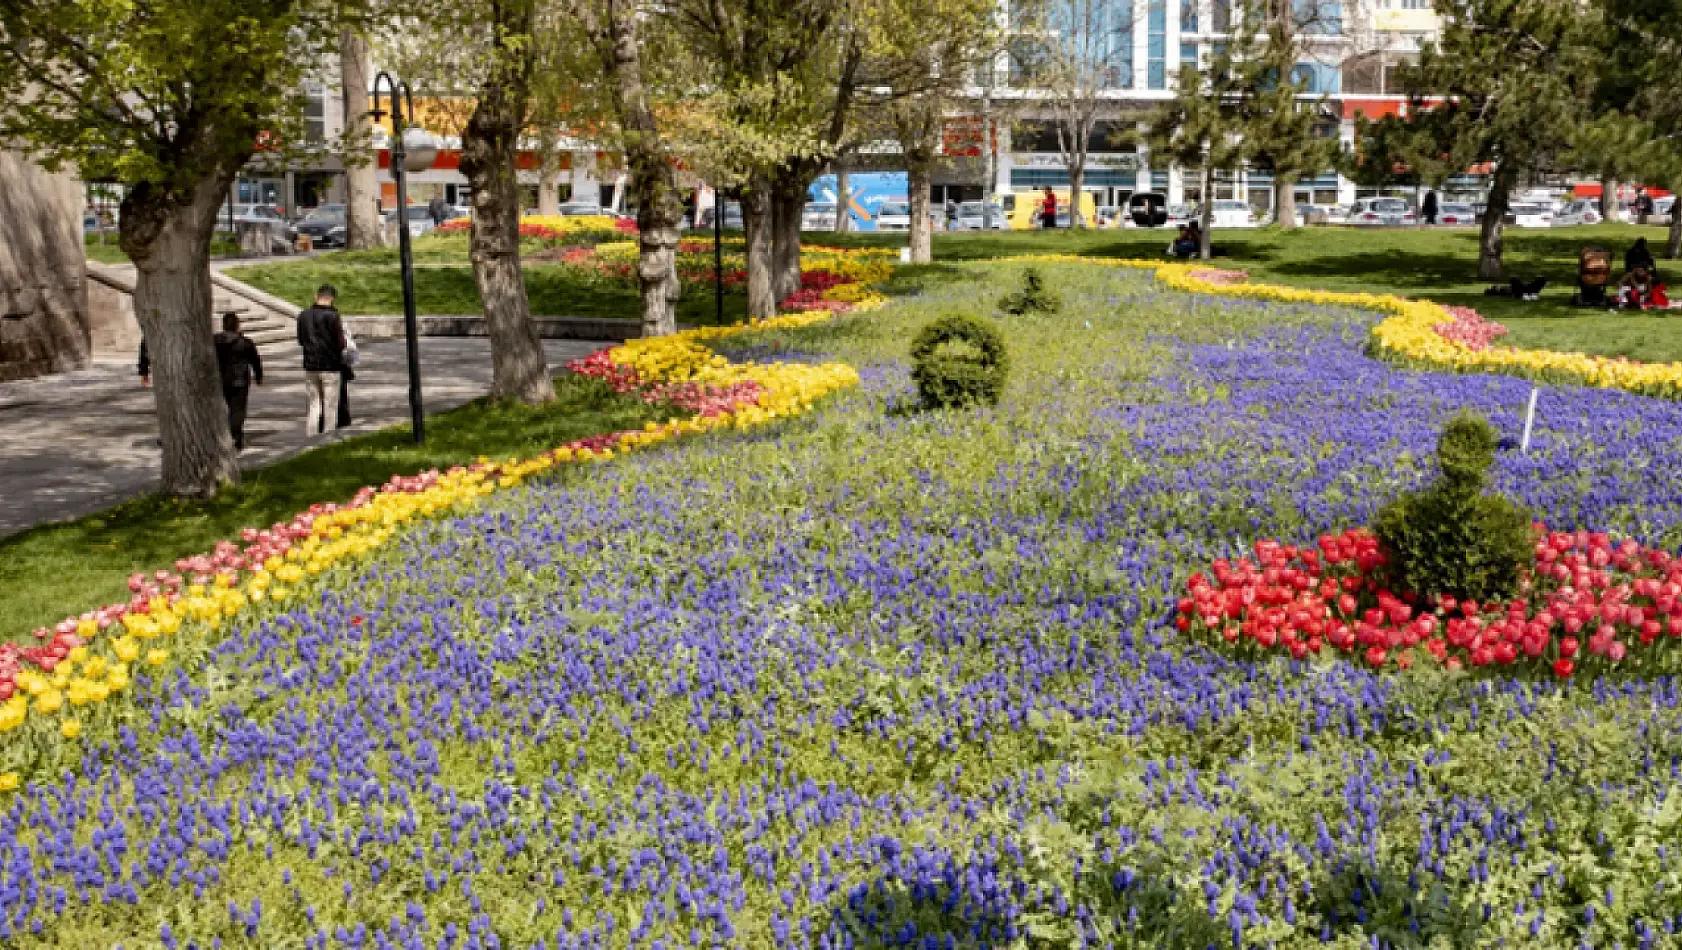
321,335
1430,208
241,367
145,366
1048,210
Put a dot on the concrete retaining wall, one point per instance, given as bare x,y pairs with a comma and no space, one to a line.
549,328
43,289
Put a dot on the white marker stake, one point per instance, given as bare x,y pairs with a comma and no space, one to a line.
1529,418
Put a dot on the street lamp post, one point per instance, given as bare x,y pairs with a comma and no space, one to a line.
407,155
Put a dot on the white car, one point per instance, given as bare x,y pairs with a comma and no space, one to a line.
818,216
1230,213
894,216
1530,216
1180,215
1578,211
980,216
1456,214
580,209
1380,212
419,219
1662,208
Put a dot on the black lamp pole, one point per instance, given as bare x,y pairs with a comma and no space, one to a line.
403,104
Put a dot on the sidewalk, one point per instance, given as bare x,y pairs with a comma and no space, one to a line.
79,442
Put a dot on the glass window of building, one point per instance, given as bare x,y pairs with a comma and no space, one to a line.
1156,46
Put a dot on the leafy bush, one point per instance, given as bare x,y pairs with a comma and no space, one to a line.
1034,297
959,361
1451,538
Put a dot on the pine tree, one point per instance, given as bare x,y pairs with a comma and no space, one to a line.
1506,84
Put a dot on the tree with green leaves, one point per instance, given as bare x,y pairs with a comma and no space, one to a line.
1506,84
1205,125
171,98
615,48
1635,133
1284,122
926,80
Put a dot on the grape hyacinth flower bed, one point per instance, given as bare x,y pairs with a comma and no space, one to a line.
878,678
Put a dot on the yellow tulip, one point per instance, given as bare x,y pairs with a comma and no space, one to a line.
71,728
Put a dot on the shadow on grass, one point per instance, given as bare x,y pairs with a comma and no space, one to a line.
52,571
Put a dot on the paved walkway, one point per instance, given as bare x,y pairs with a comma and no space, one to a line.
79,442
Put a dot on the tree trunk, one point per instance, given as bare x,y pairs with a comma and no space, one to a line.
756,222
1206,214
170,246
1077,180
1489,242
788,202
659,212
1608,198
362,191
1284,201
843,200
519,369
918,177
1673,243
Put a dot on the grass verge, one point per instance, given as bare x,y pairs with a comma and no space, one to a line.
53,571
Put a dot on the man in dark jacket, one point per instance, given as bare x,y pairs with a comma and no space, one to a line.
237,359
321,335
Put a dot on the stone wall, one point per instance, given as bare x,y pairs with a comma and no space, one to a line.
43,287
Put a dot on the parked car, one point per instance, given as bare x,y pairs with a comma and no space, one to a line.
1232,214
1308,214
732,217
1529,216
324,226
818,216
894,216
579,209
1148,209
419,220
980,216
1456,215
1178,216
1662,208
1578,211
1380,212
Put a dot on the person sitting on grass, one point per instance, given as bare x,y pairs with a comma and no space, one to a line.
1640,290
1186,244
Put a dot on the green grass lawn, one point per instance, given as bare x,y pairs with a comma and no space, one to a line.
50,572
103,248
369,282
1439,265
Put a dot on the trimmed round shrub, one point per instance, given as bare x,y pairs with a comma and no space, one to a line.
1034,297
1452,538
959,361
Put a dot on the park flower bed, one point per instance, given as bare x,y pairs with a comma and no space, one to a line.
556,229
1590,605
49,690
1422,333
899,679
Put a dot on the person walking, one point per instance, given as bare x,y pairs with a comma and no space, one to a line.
951,215
1048,209
437,210
321,335
241,368
1430,208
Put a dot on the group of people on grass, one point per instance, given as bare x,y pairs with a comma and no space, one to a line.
329,352
1641,288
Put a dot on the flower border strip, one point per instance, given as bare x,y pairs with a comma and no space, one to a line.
1409,336
86,660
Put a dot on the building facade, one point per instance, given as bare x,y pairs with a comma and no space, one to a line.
1349,51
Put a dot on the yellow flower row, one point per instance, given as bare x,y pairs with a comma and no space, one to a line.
91,675
1410,336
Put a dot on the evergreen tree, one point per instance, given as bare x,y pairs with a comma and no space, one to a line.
1505,85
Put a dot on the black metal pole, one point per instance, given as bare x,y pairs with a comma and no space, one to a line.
411,333
718,251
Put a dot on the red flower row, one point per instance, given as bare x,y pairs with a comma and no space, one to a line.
699,398
1587,604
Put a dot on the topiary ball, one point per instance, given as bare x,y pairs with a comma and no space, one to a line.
1451,538
959,361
